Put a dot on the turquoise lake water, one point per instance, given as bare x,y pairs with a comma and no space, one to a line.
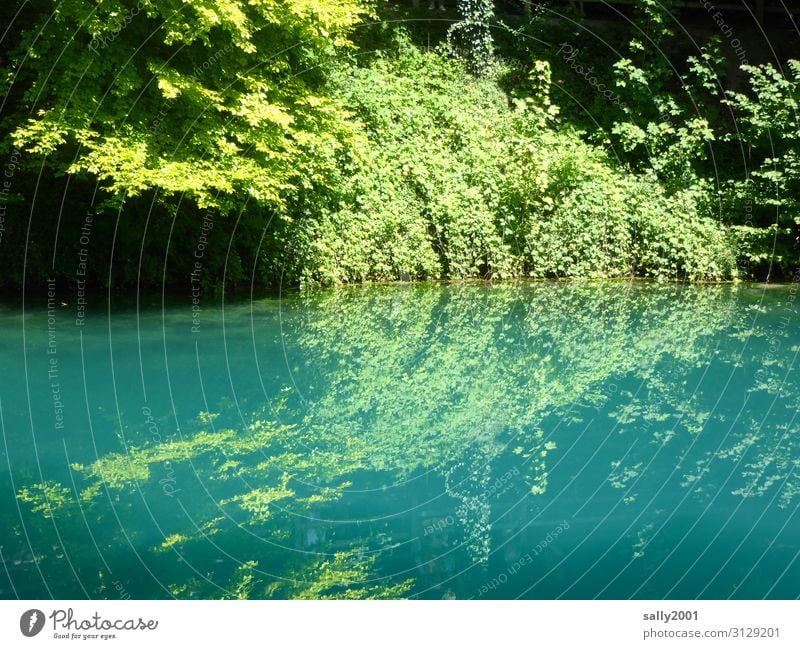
575,440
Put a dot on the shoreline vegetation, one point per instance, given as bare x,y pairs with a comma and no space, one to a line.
217,156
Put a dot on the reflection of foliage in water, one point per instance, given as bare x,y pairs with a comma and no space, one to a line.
451,365
404,380
446,379
746,447
266,470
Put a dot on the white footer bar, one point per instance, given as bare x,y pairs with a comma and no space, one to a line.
375,625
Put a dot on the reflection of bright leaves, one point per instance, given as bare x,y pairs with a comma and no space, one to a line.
342,576
419,378
45,497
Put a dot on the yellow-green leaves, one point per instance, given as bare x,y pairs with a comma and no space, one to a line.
46,497
219,100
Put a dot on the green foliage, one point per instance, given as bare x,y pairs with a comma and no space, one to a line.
581,217
665,132
191,98
733,155
768,137
317,168
652,26
452,181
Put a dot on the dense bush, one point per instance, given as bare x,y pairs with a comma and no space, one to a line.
453,180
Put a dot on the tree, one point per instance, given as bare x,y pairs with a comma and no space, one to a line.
221,101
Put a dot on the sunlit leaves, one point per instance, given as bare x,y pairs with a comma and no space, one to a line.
100,76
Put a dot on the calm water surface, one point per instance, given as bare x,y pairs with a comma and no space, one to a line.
578,440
